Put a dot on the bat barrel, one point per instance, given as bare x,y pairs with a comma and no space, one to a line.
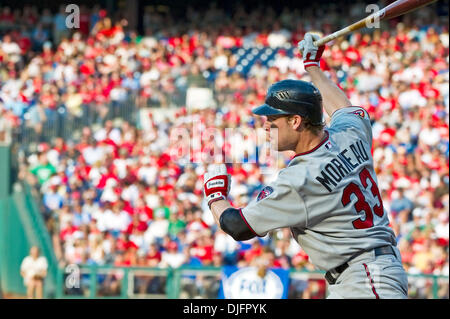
393,10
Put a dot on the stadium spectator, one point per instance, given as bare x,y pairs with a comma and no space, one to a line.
172,257
34,270
43,170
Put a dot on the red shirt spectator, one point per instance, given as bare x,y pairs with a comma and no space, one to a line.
84,22
104,178
153,256
203,251
387,135
68,231
7,17
143,211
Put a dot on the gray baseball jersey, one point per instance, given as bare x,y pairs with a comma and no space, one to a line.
328,196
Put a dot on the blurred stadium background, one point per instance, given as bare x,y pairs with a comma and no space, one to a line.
86,165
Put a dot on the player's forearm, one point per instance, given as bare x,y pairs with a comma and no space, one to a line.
333,97
217,208
231,220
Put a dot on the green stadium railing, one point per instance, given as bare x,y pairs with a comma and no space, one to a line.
87,282
174,285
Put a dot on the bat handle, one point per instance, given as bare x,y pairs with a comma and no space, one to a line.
335,35
326,39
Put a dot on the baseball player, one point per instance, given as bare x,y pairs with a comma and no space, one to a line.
327,195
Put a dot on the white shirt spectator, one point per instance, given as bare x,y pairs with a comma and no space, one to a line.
415,127
224,243
368,82
34,68
412,74
249,39
70,75
278,38
442,230
91,209
238,189
121,164
157,229
58,72
148,76
429,136
101,216
93,154
147,174
411,98
110,60
149,42
139,240
10,90
117,220
152,200
173,260
118,94
221,62
258,70
282,62
53,157
97,254
11,48
65,218
32,267
95,175
68,48
296,65
115,135
109,195
130,193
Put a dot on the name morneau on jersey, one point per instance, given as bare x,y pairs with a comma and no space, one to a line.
343,164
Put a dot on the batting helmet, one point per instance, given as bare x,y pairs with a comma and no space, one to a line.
293,97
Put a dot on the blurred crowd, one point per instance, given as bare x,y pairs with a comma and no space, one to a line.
118,193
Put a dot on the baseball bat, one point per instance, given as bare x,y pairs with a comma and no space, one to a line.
393,10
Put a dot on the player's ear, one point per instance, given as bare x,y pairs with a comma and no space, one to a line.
295,121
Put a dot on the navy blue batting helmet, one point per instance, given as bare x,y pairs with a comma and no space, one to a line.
293,97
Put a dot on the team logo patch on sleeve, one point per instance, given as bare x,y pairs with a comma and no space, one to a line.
358,112
266,191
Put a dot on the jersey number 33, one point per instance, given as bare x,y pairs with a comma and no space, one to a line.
361,204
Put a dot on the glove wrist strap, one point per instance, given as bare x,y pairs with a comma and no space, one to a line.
308,64
214,197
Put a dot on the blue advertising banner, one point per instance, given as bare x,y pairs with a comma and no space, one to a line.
246,283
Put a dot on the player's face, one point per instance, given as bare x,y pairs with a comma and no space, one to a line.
279,130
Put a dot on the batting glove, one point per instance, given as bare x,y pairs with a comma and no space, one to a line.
216,183
311,54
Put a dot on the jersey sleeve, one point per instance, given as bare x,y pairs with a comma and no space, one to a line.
278,205
352,117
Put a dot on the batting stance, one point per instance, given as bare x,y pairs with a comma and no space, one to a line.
327,195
